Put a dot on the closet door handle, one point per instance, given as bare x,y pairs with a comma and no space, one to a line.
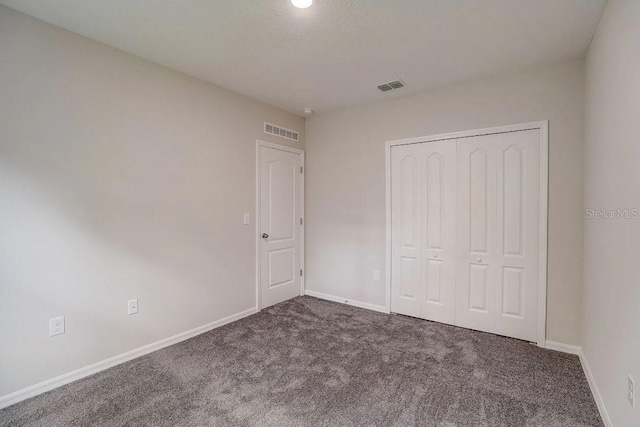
265,236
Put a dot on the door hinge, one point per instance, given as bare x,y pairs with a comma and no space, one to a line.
300,221
300,169
300,272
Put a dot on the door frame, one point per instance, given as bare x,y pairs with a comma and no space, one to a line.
258,218
543,127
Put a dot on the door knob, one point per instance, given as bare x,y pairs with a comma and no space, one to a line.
479,259
435,255
265,236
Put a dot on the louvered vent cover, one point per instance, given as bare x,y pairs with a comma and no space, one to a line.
285,133
396,84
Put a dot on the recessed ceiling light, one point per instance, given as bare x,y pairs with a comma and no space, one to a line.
302,4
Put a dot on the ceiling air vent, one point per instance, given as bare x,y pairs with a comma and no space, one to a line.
396,84
285,133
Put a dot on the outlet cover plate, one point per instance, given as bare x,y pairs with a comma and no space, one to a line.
132,306
56,326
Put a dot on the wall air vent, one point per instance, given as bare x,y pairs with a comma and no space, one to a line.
285,133
396,84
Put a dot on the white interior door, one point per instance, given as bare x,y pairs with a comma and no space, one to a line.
280,225
498,233
423,179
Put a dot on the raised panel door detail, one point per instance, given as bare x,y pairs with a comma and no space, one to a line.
478,201
513,203
478,287
434,281
281,267
282,196
512,292
434,172
408,201
408,278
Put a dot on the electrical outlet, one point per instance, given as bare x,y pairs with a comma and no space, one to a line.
56,326
132,306
376,275
247,219
631,391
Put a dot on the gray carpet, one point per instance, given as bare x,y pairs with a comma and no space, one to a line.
308,362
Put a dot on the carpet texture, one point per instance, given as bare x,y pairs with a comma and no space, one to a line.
308,362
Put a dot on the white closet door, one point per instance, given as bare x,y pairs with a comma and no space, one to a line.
476,225
518,195
439,231
406,226
423,230
498,241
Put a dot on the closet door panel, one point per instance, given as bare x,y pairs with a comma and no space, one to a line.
498,233
476,225
518,209
438,255
423,230
406,226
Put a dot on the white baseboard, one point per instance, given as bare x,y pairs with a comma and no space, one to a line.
347,301
577,350
565,348
69,377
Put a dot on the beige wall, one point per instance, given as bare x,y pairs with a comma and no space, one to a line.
119,179
346,179
612,181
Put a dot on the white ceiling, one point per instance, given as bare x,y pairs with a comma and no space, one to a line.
333,54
